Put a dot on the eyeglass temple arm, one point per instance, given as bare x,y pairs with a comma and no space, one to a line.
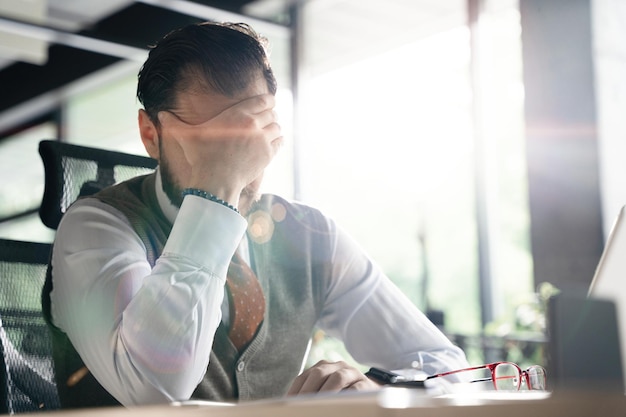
457,371
492,378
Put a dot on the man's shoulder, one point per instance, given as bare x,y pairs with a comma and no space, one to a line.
127,198
276,203
131,195
123,189
290,213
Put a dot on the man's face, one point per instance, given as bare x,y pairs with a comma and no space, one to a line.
195,107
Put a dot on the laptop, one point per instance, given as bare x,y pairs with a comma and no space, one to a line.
609,280
587,327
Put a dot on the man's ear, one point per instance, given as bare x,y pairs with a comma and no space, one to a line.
149,134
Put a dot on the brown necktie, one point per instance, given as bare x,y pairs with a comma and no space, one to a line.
247,303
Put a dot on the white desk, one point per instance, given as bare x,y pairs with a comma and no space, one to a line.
393,402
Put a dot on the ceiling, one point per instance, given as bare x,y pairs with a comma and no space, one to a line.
47,44
50,49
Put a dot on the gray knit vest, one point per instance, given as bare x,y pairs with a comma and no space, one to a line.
291,259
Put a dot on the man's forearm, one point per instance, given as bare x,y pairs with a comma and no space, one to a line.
144,333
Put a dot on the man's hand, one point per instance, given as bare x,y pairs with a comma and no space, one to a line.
231,149
331,376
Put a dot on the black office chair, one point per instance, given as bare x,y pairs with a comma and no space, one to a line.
72,171
27,374
26,366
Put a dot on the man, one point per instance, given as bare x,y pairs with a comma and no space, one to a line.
138,297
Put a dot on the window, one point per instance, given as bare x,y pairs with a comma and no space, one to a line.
388,153
389,149
22,186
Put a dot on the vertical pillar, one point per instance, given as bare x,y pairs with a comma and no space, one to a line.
609,59
296,46
562,145
482,172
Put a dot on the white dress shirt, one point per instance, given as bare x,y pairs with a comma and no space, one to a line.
146,333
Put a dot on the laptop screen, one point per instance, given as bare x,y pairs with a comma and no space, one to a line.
609,281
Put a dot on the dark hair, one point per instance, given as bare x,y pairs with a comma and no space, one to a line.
225,57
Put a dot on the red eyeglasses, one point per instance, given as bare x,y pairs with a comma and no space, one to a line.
506,376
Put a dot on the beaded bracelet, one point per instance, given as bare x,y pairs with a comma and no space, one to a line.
208,196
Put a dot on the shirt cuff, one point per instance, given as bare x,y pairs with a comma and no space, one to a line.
207,233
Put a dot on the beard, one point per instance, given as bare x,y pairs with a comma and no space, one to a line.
171,189
249,195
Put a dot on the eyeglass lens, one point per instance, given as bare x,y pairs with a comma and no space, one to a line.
506,377
536,378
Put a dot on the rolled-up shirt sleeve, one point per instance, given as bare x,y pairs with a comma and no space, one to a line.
378,324
144,333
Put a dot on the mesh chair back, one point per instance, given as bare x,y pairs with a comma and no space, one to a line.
28,371
72,171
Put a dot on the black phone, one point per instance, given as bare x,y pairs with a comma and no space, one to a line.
385,377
